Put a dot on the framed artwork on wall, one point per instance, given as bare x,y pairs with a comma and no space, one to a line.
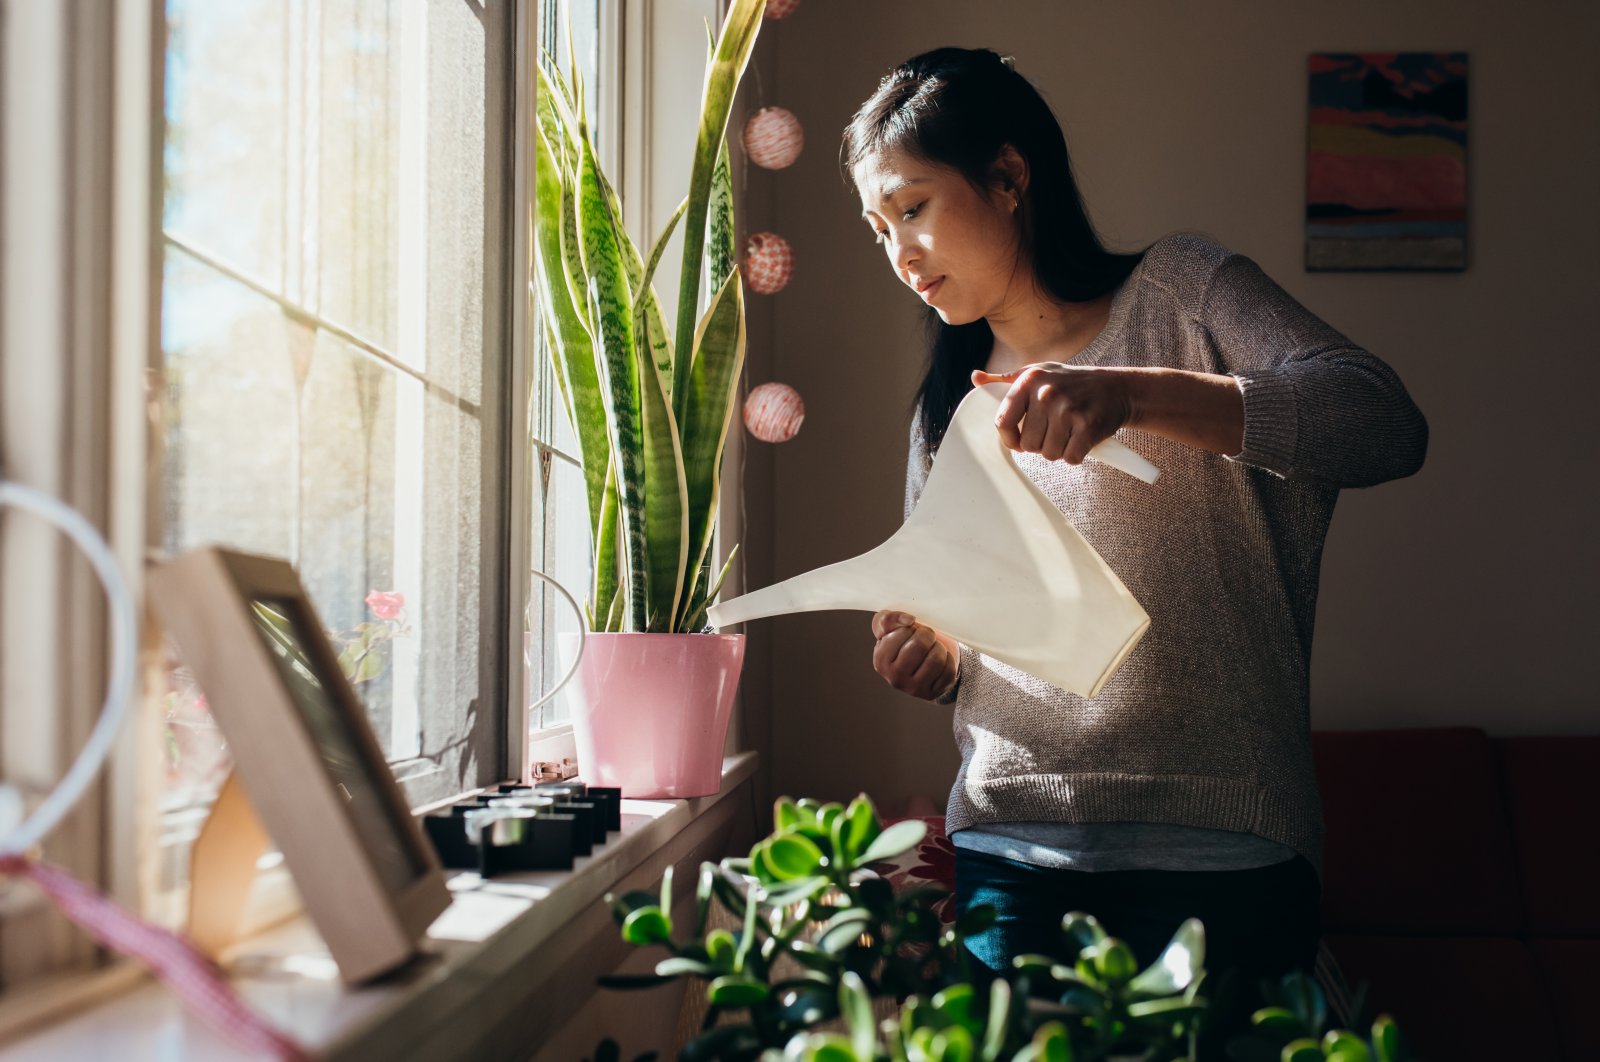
305,756
1386,162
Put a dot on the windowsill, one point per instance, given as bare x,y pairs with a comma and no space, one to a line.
481,958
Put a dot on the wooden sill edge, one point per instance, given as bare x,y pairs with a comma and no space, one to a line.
362,1010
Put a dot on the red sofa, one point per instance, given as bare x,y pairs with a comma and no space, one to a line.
1460,883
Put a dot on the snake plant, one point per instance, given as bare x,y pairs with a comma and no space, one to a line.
650,408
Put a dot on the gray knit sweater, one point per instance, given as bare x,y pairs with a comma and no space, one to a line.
1207,722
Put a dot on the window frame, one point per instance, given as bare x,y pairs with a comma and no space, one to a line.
78,430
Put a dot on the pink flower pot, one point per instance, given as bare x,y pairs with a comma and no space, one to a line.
650,711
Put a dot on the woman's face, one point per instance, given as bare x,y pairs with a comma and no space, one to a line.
954,245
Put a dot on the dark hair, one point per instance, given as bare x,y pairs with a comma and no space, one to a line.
960,107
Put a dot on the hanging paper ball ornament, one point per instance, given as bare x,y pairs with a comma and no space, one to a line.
768,262
773,412
777,9
773,138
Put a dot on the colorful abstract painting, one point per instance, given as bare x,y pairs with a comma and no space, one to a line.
1386,173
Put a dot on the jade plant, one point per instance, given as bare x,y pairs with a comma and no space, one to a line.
822,935
1293,1027
650,407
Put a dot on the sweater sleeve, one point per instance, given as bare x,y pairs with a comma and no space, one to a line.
1316,405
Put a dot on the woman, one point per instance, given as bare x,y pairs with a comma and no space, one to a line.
1186,788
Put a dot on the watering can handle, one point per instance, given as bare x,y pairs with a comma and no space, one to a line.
583,637
1118,455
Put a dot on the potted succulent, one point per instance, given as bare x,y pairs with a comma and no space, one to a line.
650,408
822,936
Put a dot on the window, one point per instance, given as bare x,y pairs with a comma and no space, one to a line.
333,366
336,353
560,539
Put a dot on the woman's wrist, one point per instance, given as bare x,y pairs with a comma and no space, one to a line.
1203,410
953,673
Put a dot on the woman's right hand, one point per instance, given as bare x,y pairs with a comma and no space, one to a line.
913,657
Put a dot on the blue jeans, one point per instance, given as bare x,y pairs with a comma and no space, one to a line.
1260,923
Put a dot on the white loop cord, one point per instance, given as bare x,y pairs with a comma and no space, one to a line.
124,633
583,638
119,692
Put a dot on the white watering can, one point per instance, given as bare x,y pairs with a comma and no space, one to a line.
987,559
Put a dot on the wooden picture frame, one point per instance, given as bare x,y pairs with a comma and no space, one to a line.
305,753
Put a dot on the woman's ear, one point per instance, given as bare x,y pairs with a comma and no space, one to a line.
1009,173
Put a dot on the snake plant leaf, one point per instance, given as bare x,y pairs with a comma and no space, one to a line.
665,493
607,577
708,398
552,116
638,281
647,308
562,141
734,43
579,104
559,79
572,345
620,383
698,608
572,248
720,250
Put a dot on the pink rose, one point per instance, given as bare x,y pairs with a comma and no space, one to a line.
386,606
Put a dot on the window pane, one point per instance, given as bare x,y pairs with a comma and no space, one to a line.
227,104
331,290
562,542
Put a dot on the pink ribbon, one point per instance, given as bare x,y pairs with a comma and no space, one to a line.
198,982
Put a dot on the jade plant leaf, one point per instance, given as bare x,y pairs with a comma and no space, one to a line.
647,925
1180,963
1279,1022
897,839
956,1003
1345,1046
731,990
856,1006
682,966
998,1028
791,856
1301,1051
1386,1039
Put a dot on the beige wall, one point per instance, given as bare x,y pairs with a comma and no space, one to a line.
1465,595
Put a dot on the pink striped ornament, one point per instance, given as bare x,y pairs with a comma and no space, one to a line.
768,262
773,138
777,9
773,412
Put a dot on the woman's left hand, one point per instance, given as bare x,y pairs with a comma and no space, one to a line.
1058,411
